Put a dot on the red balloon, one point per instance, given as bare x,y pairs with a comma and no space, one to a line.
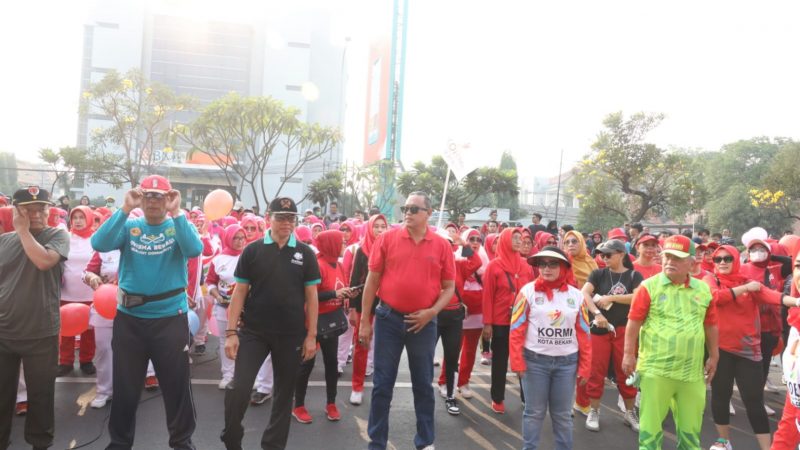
105,300
74,319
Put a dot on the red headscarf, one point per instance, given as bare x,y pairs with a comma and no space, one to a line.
559,284
7,218
509,260
541,239
88,215
227,240
330,246
253,221
489,243
735,278
229,220
369,235
354,237
303,234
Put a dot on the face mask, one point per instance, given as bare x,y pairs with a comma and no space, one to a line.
758,256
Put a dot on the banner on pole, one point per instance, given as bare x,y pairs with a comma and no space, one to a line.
460,158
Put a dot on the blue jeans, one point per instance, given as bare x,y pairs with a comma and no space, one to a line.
390,338
548,381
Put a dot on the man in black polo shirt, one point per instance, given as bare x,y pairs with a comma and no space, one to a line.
276,286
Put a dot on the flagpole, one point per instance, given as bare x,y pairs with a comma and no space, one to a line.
444,196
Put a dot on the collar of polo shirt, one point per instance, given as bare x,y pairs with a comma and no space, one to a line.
292,241
665,280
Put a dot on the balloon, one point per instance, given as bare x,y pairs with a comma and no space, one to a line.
217,204
74,319
194,322
213,326
105,300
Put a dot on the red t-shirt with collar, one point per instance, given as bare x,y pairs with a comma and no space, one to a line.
411,273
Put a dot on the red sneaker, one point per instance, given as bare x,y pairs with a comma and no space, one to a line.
333,412
499,408
151,383
21,409
301,414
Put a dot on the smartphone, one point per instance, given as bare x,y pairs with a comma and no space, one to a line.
355,288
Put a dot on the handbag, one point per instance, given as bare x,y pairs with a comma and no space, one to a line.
332,324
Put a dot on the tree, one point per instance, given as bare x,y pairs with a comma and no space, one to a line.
507,200
325,189
242,134
602,205
369,185
778,188
138,114
649,180
462,196
67,164
8,173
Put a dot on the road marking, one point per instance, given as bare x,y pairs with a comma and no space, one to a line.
206,381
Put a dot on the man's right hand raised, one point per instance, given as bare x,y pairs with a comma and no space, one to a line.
133,200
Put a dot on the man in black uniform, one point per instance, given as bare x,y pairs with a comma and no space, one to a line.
276,286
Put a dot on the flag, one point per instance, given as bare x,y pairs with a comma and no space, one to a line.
460,157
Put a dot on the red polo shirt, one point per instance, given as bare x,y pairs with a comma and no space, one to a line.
411,273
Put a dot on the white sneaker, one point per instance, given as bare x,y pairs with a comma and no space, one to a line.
593,420
224,383
770,411
731,411
621,405
721,444
638,399
437,362
356,397
340,370
769,387
631,419
465,391
443,390
99,401
429,447
370,370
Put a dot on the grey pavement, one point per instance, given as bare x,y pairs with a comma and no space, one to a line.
80,426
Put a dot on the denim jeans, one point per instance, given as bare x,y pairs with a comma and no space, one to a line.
390,339
549,381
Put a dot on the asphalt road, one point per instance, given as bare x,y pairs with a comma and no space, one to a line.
79,426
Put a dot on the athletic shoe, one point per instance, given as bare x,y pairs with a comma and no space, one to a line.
499,408
301,414
349,358
631,419
151,383
224,383
64,369
332,412
721,444
21,409
88,368
731,411
356,397
370,370
769,387
437,362
428,447
452,406
581,409
593,420
443,390
99,401
258,398
770,411
465,391
199,349
486,358
621,404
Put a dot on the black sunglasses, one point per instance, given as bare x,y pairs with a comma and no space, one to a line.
413,209
721,259
475,239
548,264
607,255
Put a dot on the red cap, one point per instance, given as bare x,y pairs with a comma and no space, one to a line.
155,183
646,238
617,233
679,245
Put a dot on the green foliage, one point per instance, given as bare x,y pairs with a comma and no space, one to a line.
781,176
369,186
602,206
139,112
508,200
325,189
70,163
8,173
462,197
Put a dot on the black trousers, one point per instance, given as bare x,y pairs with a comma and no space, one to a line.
253,350
768,344
448,326
499,361
40,357
330,349
748,376
165,341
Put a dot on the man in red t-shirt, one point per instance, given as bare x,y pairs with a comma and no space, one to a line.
413,271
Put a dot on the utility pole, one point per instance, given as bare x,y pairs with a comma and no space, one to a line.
558,191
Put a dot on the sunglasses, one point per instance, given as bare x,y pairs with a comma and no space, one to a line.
571,242
608,255
283,218
475,239
548,264
250,228
722,259
413,209
153,195
553,242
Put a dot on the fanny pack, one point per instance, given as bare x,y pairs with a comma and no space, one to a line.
130,300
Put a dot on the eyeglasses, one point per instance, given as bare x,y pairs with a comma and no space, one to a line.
551,242
283,218
548,264
723,259
249,228
153,196
571,242
411,209
475,239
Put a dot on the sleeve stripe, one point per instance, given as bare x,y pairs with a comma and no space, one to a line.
313,282
241,280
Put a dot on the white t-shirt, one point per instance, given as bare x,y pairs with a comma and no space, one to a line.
73,288
551,323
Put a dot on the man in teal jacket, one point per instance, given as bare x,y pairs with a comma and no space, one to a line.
151,321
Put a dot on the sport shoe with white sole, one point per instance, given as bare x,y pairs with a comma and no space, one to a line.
621,404
770,411
465,391
452,406
99,401
223,383
631,419
731,411
593,420
443,390
581,409
721,444
356,397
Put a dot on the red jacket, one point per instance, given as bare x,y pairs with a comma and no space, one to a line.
465,268
771,320
498,295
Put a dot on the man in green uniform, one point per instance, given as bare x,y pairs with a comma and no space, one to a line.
672,319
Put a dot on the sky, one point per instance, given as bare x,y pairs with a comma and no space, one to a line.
533,78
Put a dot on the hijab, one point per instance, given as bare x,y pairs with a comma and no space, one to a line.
227,240
303,234
488,243
369,235
559,284
735,278
508,259
330,246
465,235
354,238
88,215
582,263
253,221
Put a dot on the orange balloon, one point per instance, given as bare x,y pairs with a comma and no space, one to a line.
74,319
217,204
105,300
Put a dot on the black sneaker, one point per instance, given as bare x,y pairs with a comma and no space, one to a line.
88,368
258,398
199,349
452,406
64,369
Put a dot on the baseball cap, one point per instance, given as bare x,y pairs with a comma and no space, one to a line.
679,245
155,183
617,233
646,238
283,205
612,246
31,195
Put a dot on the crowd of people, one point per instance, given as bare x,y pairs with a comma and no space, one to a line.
661,315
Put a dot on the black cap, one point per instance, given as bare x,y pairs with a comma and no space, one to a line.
612,246
30,195
282,205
